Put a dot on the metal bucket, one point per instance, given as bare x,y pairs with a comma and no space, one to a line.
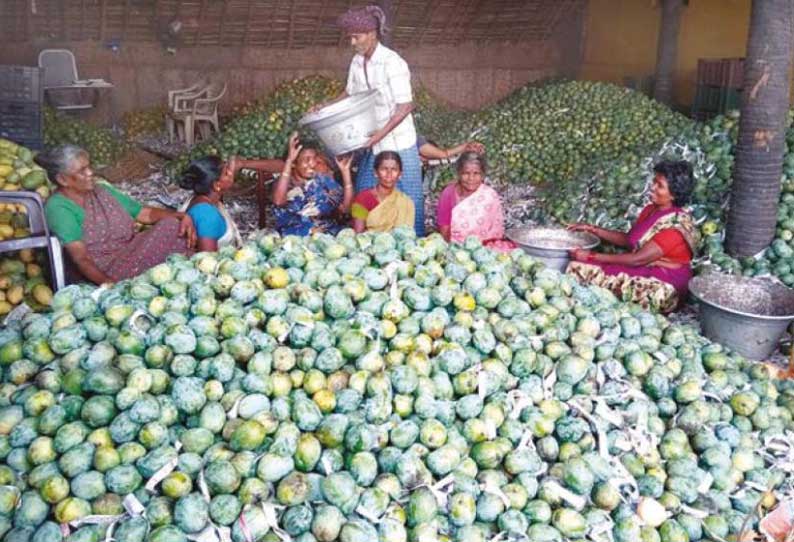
744,314
346,125
551,245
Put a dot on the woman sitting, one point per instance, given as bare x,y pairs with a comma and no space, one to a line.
383,208
469,207
307,201
662,241
209,178
96,223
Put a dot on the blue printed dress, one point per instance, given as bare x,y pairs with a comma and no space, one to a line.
312,205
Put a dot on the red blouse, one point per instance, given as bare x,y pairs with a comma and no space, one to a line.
671,241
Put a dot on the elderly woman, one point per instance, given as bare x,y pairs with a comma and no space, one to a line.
469,207
656,270
375,66
306,200
383,208
96,223
209,178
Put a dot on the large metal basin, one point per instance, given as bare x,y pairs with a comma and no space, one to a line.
345,125
551,245
745,314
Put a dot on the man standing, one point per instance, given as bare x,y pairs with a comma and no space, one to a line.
375,66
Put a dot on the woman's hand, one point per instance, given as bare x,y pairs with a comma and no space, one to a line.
588,228
230,169
581,255
475,146
188,230
294,148
344,162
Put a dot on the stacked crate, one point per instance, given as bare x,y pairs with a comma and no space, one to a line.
719,87
21,93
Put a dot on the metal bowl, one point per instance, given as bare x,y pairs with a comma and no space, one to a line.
748,315
345,125
551,245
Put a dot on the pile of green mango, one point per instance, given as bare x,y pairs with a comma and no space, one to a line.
104,146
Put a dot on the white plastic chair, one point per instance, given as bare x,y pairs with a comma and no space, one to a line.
180,100
62,87
205,110
194,109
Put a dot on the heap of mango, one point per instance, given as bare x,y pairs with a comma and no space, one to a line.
613,197
378,387
558,131
22,279
19,172
263,126
438,120
105,147
145,122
